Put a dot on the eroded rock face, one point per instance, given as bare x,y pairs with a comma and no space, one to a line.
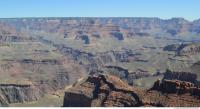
173,47
178,82
160,99
120,72
85,38
125,75
184,49
124,55
183,76
13,93
173,92
102,90
130,27
106,90
174,86
190,49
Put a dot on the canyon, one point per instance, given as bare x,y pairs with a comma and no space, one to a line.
99,61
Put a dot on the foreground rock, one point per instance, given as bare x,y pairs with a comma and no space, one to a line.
106,90
176,86
101,91
173,93
176,89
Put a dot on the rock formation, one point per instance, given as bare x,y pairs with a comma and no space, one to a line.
107,90
183,76
184,49
174,90
13,93
176,86
101,91
173,93
173,47
85,38
125,75
189,49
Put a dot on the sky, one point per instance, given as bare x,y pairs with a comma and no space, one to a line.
165,9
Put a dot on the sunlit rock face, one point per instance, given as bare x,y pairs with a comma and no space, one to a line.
107,90
101,91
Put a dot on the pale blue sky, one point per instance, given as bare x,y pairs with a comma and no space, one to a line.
189,9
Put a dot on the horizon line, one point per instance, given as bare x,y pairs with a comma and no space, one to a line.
97,17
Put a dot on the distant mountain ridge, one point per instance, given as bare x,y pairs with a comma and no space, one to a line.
132,26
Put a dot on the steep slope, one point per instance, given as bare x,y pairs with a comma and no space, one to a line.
101,91
107,90
14,93
184,49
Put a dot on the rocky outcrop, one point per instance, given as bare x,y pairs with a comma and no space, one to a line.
120,72
173,47
125,75
123,55
183,76
175,86
101,90
14,93
139,73
106,90
19,93
173,91
85,38
190,49
75,53
160,99
184,49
